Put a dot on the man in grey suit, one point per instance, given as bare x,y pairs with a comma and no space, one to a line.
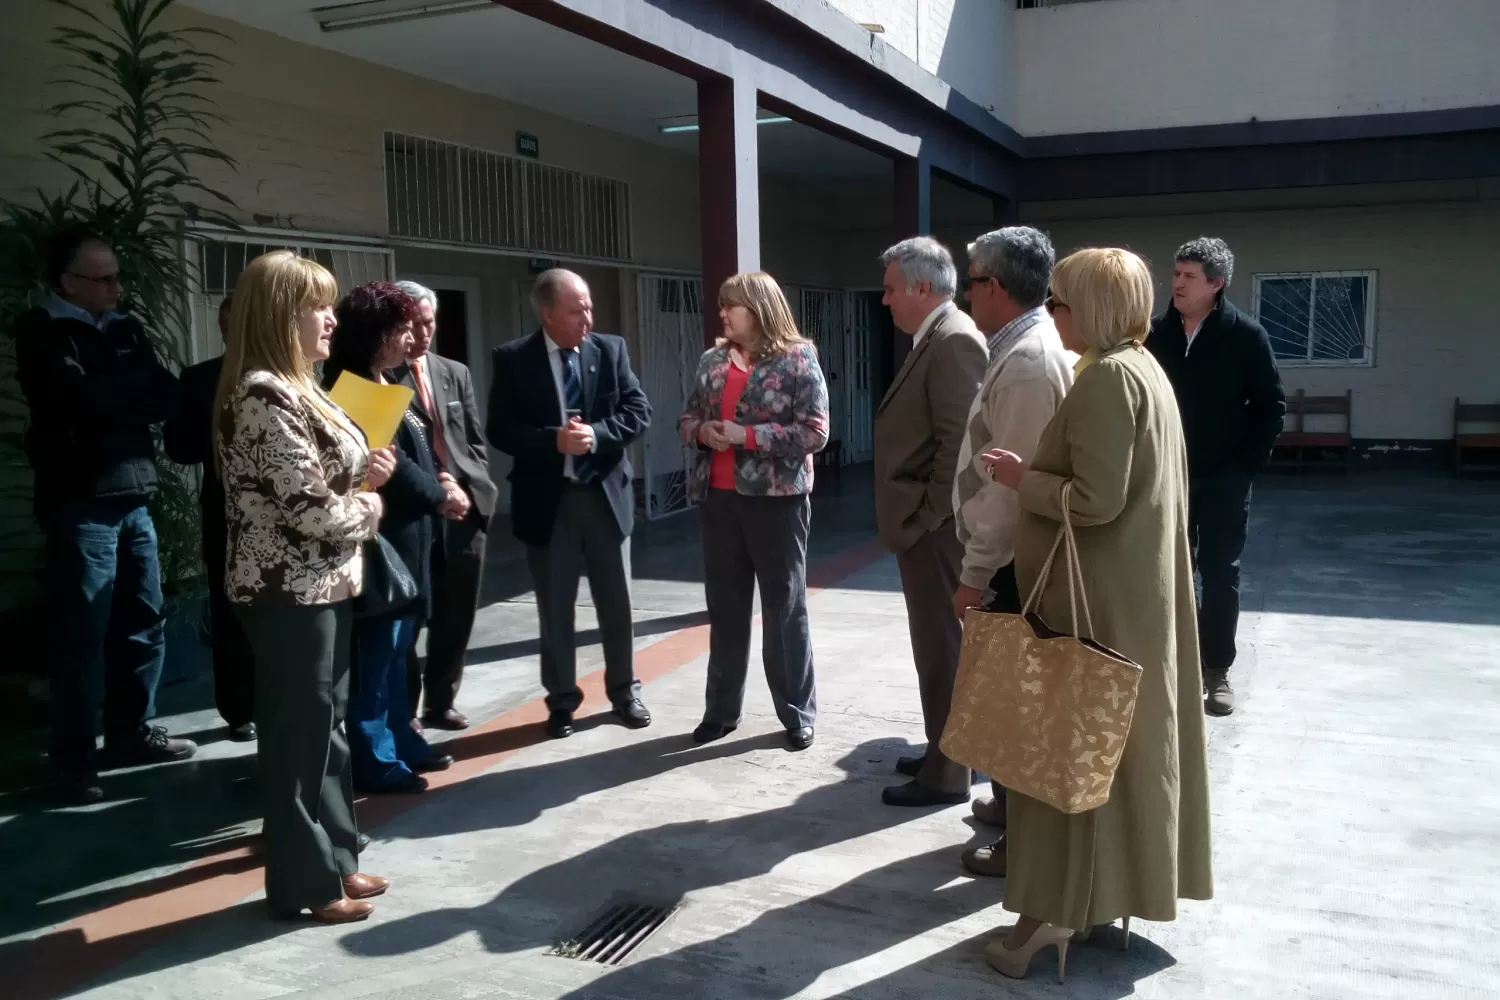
446,391
919,429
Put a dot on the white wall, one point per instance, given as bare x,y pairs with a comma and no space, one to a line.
1434,330
965,43
1133,64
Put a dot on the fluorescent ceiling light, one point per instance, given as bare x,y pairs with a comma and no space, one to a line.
689,123
368,13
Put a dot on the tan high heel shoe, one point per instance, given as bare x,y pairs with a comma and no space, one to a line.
1015,964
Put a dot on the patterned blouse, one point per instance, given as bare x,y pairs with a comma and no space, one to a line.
290,480
784,406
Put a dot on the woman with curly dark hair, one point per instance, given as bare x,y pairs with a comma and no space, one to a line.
373,336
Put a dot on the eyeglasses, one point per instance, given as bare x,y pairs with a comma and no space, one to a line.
107,281
1052,305
968,281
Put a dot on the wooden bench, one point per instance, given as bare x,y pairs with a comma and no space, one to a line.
1468,414
1298,440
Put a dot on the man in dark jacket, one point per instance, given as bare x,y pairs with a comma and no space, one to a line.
95,388
1229,393
188,437
565,404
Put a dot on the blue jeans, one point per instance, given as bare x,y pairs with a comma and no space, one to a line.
385,749
106,619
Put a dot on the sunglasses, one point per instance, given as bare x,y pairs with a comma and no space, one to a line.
1052,305
967,282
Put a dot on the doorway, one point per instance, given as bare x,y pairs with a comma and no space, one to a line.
459,334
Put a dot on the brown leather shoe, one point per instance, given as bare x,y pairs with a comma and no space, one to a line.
342,911
358,886
987,860
990,812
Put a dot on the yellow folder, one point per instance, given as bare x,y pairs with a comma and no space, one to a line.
376,408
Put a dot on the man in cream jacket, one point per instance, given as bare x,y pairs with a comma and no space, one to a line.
1028,375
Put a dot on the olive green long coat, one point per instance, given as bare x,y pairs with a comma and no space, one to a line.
1118,438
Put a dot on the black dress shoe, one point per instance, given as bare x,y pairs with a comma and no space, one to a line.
916,794
560,725
437,762
243,734
452,720
151,745
633,714
800,739
909,766
707,732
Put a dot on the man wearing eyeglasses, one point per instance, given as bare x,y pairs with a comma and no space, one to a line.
1028,375
95,388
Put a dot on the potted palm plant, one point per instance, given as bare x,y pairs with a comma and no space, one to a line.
133,137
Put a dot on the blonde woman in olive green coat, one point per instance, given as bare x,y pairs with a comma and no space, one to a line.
1117,440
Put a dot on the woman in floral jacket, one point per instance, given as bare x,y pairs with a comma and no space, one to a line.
758,412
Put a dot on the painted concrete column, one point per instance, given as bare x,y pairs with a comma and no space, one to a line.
728,188
913,197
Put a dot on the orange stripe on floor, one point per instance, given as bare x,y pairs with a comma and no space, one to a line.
86,947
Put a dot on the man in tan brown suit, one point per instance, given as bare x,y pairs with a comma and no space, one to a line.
919,429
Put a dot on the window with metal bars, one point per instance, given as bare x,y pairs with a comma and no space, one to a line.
1319,318
446,193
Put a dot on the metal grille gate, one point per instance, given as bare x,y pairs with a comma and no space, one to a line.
217,259
671,334
840,324
456,194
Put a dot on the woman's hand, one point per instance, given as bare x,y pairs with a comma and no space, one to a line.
456,506
382,466
1006,467
733,433
374,502
711,435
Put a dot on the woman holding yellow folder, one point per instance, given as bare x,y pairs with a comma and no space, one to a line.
293,466
374,334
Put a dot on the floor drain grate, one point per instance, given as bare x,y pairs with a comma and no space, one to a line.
613,935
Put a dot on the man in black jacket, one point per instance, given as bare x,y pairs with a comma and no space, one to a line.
95,388
565,404
188,437
1229,393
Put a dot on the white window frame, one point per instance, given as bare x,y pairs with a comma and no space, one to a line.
1368,361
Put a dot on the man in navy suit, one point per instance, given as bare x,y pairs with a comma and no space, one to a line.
565,405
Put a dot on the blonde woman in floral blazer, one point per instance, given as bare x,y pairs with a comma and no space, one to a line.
757,414
296,475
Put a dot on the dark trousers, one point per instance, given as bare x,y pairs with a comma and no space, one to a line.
301,693
750,540
586,538
929,576
105,611
455,596
234,666
1218,521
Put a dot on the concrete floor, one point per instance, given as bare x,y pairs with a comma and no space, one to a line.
1354,806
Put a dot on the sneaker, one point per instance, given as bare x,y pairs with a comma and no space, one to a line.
1218,696
151,746
987,860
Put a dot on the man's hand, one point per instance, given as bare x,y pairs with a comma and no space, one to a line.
1006,467
382,465
577,438
964,598
456,507
712,435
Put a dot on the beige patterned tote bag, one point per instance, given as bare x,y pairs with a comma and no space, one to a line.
1043,713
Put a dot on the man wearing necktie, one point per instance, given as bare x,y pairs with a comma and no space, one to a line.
565,405
445,393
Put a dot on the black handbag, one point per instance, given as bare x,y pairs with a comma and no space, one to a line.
389,587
